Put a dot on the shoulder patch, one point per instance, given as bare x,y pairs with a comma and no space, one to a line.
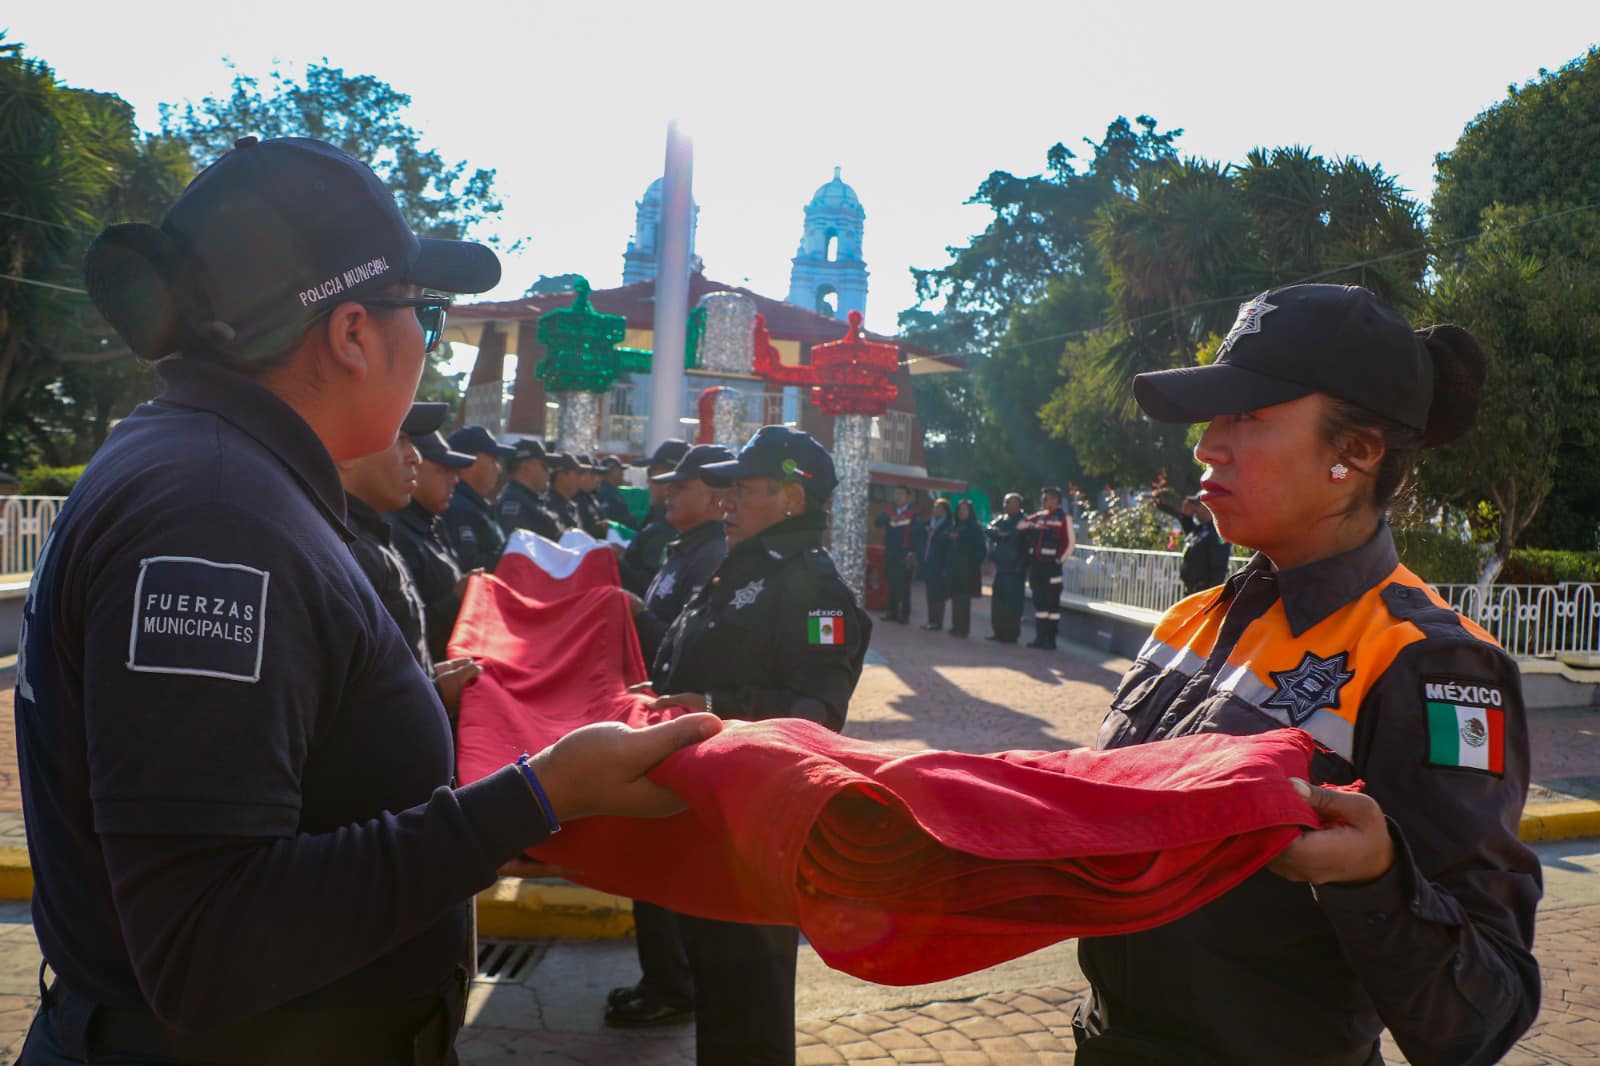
510,507
466,534
1466,724
199,617
1410,604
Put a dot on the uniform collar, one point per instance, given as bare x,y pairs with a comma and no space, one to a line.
787,538
471,495
366,521
521,490
260,414
695,537
1316,590
414,516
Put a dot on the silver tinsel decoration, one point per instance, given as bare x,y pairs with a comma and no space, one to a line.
727,418
852,437
580,422
728,345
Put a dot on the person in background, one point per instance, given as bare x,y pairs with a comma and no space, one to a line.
1050,542
775,633
1205,554
613,508
965,567
902,532
935,561
589,517
420,538
558,498
522,504
475,532
640,560
665,991
1008,547
1413,908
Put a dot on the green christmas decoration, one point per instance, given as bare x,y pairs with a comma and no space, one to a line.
581,346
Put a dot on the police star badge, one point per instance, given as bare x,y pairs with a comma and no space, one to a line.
1312,685
1249,321
666,583
746,596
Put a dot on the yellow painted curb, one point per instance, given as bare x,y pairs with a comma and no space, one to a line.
513,907
16,876
1560,820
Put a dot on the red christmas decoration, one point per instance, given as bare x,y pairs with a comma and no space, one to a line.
849,376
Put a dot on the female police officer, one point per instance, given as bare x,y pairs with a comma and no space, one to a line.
775,633
1421,912
234,772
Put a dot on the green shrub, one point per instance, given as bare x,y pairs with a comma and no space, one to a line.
1437,557
1139,526
1543,566
49,480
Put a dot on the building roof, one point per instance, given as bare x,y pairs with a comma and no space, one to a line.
836,194
636,303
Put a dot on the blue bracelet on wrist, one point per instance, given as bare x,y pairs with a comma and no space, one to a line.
525,764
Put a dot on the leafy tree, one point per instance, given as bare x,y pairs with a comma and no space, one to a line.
1537,313
553,283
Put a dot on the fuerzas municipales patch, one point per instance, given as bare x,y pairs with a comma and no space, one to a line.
1466,724
195,616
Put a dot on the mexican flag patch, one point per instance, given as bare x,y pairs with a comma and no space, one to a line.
825,629
1466,726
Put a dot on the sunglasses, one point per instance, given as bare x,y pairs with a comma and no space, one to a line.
430,314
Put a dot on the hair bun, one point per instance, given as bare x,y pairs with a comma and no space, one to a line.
1459,367
130,272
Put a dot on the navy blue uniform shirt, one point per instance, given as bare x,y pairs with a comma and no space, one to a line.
391,578
234,776
690,562
474,529
522,508
420,538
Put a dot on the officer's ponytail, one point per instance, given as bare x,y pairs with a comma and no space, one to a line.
1458,374
135,275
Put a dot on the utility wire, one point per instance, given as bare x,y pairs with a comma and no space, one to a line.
44,284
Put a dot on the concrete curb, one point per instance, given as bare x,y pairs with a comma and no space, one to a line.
552,908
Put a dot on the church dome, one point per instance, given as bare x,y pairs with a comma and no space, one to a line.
836,194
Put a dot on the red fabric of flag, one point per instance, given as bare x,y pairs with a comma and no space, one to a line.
899,866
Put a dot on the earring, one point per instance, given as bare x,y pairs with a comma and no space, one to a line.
788,513
1338,471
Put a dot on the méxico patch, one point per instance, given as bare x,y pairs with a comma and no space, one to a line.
825,627
1466,724
195,616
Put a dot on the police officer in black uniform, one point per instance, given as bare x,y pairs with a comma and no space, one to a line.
642,557
1050,542
665,991
474,528
903,543
420,538
589,518
774,634
613,508
521,504
558,498
235,778
1009,549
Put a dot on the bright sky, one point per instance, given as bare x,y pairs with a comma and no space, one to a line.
917,102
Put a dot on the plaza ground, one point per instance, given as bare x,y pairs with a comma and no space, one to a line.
928,690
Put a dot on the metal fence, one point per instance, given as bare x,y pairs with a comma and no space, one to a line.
24,524
1529,621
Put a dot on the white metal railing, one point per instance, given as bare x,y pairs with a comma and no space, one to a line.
25,522
1533,620
1529,621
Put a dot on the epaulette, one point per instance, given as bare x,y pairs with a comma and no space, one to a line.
1411,604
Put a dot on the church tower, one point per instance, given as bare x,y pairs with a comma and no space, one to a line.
639,261
828,274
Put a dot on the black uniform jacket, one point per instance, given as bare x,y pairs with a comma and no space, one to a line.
1050,538
563,510
590,520
391,578
1427,710
234,776
902,535
763,637
522,508
474,529
644,553
613,507
420,538
1008,546
690,562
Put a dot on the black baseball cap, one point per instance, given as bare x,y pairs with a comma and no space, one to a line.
475,440
527,448
432,447
610,462
783,453
261,242
1297,340
559,461
586,463
667,454
424,418
692,466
